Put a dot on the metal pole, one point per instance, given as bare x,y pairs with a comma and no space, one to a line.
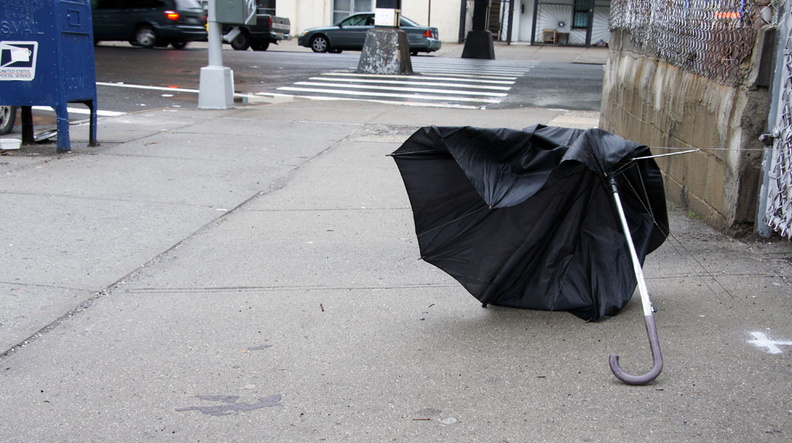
429,14
533,26
215,37
777,98
511,22
462,21
216,84
590,22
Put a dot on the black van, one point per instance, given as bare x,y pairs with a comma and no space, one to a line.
149,23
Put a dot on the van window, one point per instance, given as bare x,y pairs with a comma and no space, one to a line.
187,4
146,3
107,4
128,4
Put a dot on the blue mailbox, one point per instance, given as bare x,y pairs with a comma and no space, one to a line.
47,59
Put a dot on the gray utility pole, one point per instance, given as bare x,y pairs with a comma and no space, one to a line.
216,84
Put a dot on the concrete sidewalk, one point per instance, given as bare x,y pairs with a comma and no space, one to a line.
251,275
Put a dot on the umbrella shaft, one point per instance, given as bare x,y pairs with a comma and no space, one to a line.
645,301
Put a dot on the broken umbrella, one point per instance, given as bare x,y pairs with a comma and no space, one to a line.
534,218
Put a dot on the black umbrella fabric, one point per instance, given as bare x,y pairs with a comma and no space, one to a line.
526,219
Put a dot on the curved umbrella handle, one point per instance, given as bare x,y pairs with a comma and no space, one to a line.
657,358
651,327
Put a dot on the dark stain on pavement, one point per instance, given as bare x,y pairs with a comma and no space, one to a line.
230,406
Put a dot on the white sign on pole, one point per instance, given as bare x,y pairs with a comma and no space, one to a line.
384,17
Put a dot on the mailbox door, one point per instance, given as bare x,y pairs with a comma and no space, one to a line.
77,52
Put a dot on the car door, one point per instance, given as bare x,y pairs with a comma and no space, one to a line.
102,12
415,34
116,19
351,32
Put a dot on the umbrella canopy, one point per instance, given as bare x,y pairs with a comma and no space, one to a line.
526,219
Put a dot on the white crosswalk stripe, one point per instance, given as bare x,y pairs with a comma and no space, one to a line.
449,83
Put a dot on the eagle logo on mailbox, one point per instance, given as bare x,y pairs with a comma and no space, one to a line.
18,60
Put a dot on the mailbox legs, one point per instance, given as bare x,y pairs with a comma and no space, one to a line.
92,134
62,113
27,126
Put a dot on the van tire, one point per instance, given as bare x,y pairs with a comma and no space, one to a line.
145,37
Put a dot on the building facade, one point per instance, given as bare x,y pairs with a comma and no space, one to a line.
572,22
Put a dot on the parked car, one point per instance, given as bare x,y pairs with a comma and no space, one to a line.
350,33
7,117
149,23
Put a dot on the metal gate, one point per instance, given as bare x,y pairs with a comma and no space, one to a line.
775,205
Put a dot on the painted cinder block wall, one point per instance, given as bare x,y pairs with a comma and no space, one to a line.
655,103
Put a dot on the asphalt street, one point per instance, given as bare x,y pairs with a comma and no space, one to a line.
132,79
251,274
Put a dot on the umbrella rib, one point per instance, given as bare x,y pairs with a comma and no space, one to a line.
451,221
668,233
700,265
689,151
642,198
646,196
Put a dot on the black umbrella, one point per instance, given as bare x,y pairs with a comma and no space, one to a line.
528,219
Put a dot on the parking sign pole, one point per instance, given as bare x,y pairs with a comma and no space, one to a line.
216,90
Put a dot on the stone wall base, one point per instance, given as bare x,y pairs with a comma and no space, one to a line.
663,106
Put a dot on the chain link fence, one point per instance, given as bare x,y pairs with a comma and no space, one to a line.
778,214
711,38
715,39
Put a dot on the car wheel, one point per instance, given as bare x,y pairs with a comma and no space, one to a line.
145,37
319,43
7,117
413,53
260,46
179,45
241,42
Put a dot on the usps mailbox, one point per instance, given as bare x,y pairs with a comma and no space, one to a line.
47,59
